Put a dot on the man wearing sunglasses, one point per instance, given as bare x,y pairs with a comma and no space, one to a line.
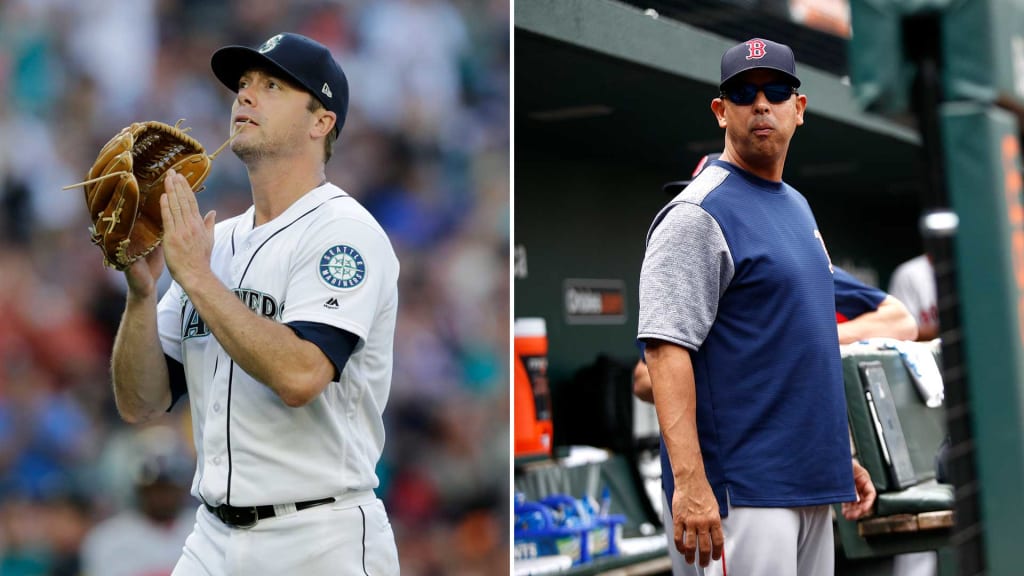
737,314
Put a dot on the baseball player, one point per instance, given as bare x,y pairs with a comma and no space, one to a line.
279,325
737,310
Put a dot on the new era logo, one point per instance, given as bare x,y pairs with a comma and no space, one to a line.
327,90
331,304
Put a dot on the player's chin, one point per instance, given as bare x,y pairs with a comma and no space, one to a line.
244,149
766,146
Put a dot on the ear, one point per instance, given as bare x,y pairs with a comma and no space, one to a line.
718,107
325,121
801,105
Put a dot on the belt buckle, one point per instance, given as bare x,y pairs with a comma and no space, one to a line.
239,517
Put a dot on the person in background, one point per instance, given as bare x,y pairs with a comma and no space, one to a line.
146,540
913,282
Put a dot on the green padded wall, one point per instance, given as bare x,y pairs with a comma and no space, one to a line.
983,163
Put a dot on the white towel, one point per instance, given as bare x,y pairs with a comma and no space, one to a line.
924,370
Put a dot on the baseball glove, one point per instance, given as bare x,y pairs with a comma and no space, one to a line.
124,185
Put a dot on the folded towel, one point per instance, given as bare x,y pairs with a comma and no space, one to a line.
924,370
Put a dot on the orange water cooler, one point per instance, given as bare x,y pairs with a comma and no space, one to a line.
532,396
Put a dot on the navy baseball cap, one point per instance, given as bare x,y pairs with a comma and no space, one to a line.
758,53
677,186
296,58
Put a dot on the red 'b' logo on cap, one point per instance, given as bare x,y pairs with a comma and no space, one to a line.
756,48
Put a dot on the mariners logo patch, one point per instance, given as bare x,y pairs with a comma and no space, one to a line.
342,267
270,44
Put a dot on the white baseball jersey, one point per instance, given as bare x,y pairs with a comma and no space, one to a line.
913,283
324,260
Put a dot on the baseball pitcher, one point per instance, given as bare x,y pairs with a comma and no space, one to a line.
279,326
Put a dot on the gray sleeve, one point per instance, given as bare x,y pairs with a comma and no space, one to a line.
686,269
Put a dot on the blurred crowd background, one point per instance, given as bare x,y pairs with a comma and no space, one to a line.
425,148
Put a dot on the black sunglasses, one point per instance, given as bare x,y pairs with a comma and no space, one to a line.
745,94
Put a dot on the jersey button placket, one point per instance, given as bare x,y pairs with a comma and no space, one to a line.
215,476
237,265
218,415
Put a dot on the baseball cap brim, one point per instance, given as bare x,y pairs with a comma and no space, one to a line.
793,80
230,62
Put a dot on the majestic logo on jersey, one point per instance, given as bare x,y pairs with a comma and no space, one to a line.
755,49
263,304
343,267
331,304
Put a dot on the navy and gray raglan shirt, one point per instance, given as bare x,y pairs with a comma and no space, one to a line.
736,272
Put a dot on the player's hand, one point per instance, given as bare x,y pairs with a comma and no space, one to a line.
144,273
865,494
697,523
188,237
642,387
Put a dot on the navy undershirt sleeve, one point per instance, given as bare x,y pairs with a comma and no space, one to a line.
854,297
335,343
176,375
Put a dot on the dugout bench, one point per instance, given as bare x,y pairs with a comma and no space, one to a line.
918,516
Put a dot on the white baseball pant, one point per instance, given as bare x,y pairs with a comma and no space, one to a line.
765,542
345,538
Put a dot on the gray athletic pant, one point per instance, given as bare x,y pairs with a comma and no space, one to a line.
765,542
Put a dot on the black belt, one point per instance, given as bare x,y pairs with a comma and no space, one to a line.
248,516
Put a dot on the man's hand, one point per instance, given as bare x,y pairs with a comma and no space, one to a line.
697,523
188,237
865,494
144,273
642,388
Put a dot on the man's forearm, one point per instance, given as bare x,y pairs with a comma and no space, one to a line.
295,369
675,398
890,320
138,368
